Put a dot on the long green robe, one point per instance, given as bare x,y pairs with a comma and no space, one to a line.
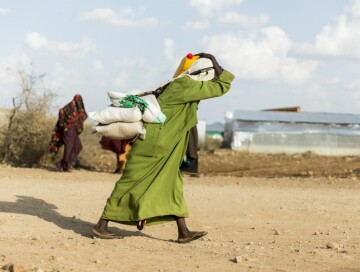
151,186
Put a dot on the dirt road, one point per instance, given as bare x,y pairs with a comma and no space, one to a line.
269,224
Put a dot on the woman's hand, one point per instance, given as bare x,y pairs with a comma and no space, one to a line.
218,69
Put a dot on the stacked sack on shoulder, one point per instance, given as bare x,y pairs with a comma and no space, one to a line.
124,118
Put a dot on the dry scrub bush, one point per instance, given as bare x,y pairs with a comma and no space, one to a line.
211,144
26,138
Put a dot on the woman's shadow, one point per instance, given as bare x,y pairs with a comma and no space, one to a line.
37,207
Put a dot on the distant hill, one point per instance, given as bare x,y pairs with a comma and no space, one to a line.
215,127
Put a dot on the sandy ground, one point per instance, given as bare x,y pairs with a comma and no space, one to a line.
268,224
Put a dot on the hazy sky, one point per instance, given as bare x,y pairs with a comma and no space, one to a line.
283,53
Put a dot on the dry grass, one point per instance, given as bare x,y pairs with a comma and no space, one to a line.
211,144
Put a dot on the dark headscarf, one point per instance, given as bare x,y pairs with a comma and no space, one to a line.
71,114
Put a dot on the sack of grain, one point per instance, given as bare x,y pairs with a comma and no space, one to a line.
113,114
153,113
121,130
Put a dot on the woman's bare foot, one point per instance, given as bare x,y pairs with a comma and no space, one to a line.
101,231
192,235
185,235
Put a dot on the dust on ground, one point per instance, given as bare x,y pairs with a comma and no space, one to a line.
262,212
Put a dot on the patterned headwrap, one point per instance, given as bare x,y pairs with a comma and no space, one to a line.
73,113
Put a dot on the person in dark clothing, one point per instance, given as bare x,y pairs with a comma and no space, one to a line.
190,162
69,126
120,147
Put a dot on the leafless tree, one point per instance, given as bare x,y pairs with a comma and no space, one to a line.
26,136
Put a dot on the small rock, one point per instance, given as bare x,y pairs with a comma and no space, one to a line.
95,242
316,233
332,245
5,267
276,232
238,259
13,268
250,243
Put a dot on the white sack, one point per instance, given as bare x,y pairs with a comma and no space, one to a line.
115,97
111,114
153,113
199,64
122,130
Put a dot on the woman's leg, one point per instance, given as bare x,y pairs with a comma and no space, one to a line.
184,234
77,146
69,143
118,164
101,230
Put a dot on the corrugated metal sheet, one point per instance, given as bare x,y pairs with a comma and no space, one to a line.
293,132
298,117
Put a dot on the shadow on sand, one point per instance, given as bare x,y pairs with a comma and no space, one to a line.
37,207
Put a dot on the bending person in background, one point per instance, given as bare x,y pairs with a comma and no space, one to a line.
190,162
69,126
120,147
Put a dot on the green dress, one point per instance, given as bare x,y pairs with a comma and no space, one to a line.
151,186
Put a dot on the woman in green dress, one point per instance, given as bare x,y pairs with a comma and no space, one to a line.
151,188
